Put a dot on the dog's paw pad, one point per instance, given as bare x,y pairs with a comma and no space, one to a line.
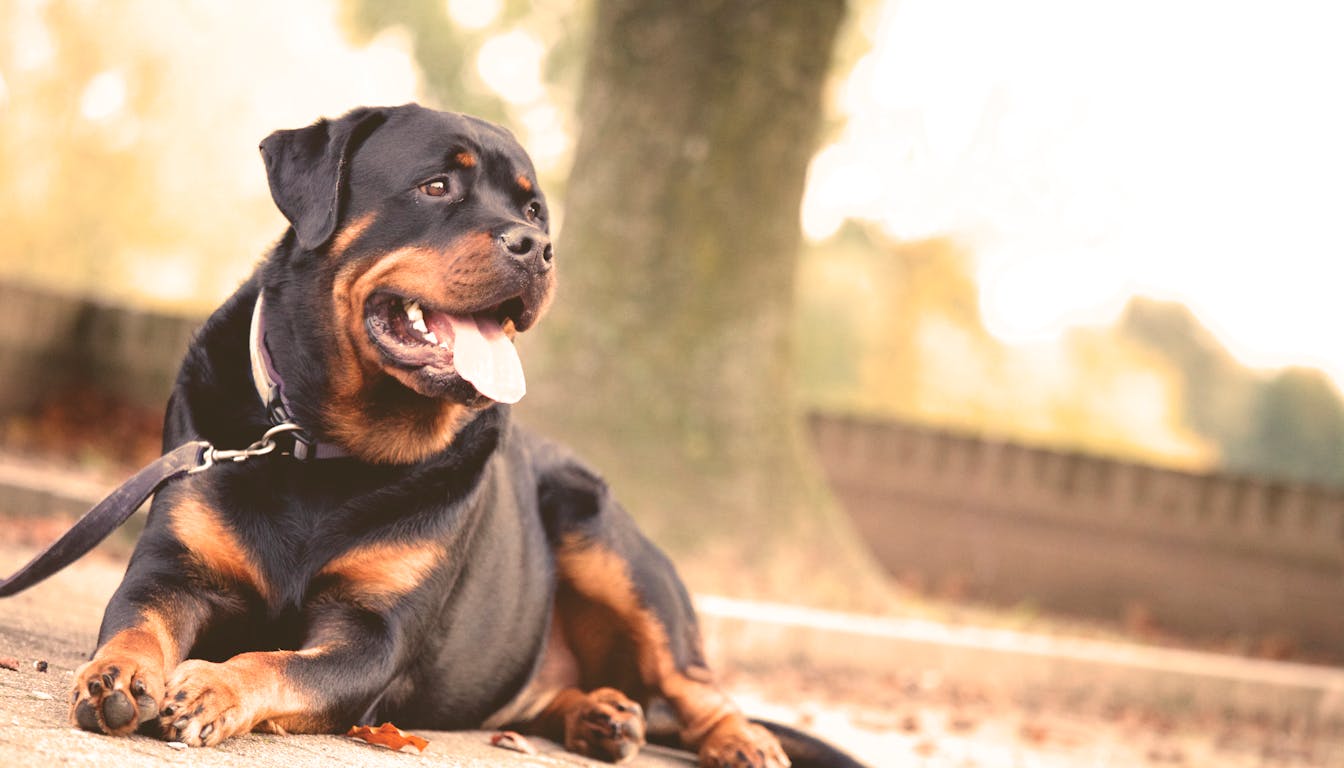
113,696
737,743
119,711
86,716
606,725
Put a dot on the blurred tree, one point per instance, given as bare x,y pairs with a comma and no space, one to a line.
48,146
1296,430
441,48
1219,391
667,359
1289,426
893,329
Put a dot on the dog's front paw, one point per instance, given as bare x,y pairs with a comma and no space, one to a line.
606,725
115,692
204,704
738,743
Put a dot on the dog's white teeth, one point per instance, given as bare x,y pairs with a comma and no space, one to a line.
419,325
415,315
430,337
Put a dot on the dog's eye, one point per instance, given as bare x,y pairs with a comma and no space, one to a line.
435,188
533,211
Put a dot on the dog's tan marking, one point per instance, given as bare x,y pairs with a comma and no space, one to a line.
602,577
251,691
283,707
466,159
378,574
349,234
524,183
212,547
373,419
150,636
149,645
145,651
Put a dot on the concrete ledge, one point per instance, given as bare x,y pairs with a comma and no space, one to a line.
1021,663
32,489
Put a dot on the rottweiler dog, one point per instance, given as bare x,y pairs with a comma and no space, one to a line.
406,553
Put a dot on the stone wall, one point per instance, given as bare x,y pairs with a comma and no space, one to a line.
50,340
1228,557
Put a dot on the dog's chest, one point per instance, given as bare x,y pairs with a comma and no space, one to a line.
370,534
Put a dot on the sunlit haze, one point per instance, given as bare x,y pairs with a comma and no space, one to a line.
1089,151
1081,152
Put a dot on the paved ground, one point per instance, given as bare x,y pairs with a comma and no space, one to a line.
887,712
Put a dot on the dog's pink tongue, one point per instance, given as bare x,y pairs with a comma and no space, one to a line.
483,355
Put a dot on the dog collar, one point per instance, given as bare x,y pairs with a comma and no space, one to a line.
271,389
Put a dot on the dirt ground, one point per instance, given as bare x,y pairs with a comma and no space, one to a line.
886,718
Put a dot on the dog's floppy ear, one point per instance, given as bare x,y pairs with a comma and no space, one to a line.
307,170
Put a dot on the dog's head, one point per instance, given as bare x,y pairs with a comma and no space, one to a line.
430,236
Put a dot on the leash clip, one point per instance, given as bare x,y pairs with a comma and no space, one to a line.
211,455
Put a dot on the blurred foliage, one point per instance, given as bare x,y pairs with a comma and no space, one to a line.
446,52
1297,429
1287,424
894,329
70,187
128,160
442,48
164,201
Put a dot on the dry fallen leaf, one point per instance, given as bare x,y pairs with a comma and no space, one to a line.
1034,733
514,741
960,722
9,663
386,735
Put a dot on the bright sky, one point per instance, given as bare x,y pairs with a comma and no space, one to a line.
1087,151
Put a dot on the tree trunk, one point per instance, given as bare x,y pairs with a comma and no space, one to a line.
667,357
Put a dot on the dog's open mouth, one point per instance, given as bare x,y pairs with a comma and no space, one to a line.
441,345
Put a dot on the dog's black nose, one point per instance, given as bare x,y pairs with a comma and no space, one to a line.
528,245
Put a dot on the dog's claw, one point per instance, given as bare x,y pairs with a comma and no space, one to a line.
148,707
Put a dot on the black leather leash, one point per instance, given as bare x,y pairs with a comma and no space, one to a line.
106,516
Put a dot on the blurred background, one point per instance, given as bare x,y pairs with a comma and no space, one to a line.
909,306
